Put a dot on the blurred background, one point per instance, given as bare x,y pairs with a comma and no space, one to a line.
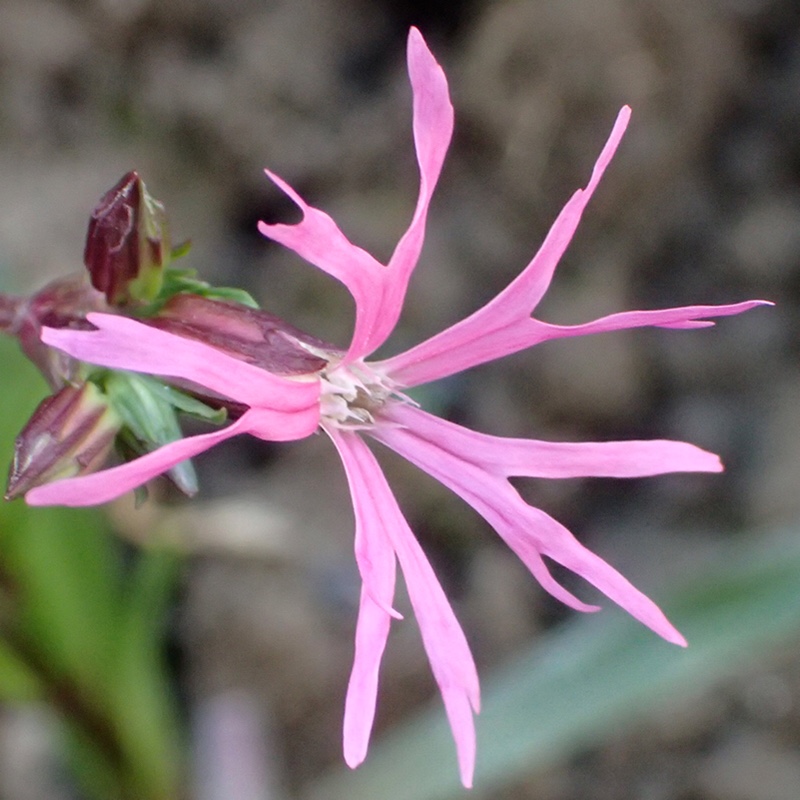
201,649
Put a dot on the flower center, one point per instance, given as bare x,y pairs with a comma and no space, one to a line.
352,395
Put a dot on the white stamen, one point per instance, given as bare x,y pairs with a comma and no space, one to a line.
353,394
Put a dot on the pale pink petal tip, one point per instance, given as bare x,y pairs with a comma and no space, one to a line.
678,638
415,38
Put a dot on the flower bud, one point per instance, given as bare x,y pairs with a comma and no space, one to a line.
71,433
64,303
247,333
127,244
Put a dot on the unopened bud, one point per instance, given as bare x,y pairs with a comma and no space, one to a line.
64,303
247,333
71,433
128,244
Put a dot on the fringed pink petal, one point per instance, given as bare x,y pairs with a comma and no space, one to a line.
376,564
465,345
445,644
529,532
100,487
533,458
685,318
523,294
500,513
379,291
504,325
519,298
318,239
451,661
122,343
564,548
372,631
433,130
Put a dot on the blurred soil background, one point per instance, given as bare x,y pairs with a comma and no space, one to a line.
701,205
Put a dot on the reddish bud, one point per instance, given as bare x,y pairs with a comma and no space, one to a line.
71,433
127,244
63,303
246,333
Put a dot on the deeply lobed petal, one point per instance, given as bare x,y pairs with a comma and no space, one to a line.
504,325
377,566
318,239
433,130
122,343
464,345
378,517
528,531
682,318
517,301
533,458
378,290
372,632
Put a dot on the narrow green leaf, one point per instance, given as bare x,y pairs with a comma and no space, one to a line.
57,566
64,571
17,682
77,630
142,701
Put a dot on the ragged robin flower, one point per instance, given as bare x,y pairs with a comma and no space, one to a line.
353,400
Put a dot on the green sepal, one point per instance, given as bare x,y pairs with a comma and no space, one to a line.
149,410
184,281
180,250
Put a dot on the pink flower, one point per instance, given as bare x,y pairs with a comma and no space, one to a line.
350,399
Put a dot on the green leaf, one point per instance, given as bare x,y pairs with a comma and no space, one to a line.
593,674
61,571
81,624
65,576
142,701
17,682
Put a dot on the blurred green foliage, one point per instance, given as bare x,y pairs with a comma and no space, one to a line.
81,627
